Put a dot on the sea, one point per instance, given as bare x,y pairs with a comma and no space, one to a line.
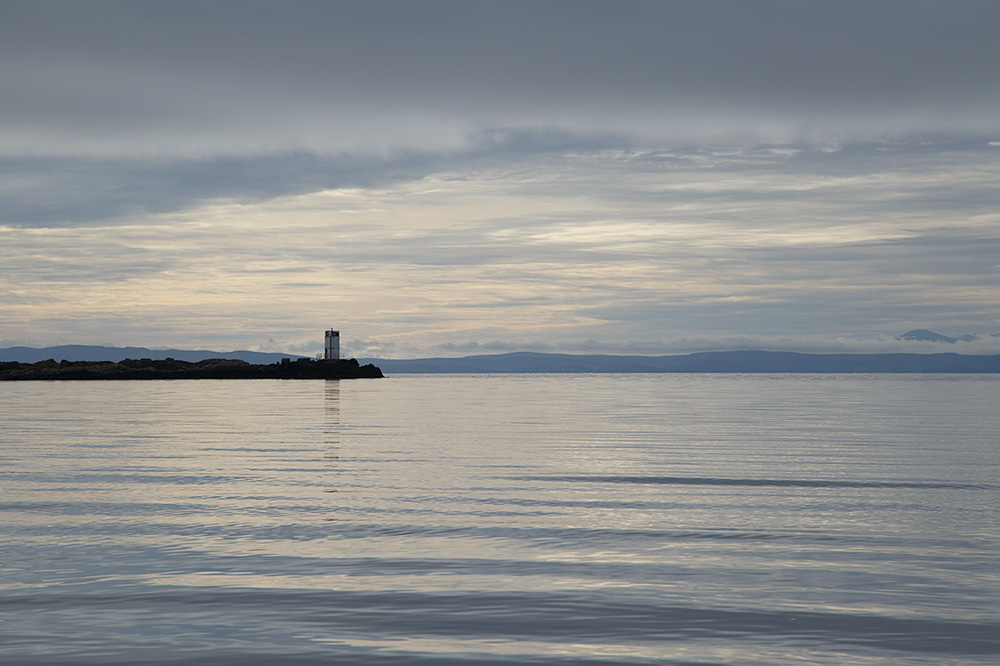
679,519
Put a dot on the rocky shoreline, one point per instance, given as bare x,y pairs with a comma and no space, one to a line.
217,368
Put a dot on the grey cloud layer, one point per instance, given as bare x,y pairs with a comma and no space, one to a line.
193,78
49,191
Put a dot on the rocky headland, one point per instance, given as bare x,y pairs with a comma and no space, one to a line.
217,368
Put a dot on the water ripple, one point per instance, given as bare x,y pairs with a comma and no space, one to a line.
554,617
781,483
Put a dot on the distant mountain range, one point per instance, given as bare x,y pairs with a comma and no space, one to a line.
923,335
96,353
726,361
732,361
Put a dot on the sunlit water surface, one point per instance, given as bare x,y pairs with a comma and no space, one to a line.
578,519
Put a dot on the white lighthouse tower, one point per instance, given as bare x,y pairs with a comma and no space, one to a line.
331,350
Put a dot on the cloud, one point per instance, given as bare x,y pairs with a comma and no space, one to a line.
436,173
57,192
198,79
565,246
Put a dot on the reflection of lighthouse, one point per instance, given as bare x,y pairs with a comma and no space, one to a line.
331,350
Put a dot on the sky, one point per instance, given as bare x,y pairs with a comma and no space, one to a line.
449,178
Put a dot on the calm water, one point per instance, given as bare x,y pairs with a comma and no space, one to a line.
584,519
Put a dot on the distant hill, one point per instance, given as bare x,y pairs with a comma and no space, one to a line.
923,335
731,361
115,354
734,361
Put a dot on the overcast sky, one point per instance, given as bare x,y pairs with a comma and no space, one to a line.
445,178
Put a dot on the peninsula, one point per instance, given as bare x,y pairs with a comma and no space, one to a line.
216,368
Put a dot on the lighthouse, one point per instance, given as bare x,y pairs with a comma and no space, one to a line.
331,349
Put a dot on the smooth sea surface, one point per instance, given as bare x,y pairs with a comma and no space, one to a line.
522,519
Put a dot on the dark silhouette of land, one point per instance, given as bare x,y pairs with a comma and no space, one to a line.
731,361
218,368
91,362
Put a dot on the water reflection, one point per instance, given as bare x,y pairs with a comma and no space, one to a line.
331,420
512,519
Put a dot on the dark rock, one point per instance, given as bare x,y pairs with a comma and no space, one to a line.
216,368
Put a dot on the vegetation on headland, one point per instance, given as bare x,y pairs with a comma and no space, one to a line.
217,368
